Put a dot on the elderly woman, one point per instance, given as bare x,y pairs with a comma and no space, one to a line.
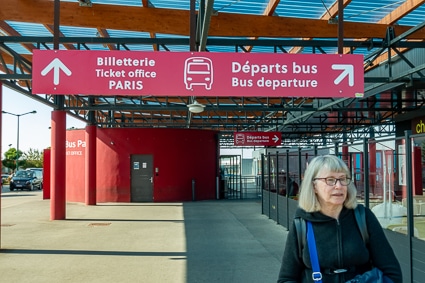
328,199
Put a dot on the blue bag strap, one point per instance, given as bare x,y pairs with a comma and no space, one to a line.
317,275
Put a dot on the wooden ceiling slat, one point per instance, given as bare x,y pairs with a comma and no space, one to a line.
10,31
332,12
269,11
401,11
171,21
391,19
104,33
67,46
271,7
176,22
10,60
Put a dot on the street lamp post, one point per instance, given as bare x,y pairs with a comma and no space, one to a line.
17,136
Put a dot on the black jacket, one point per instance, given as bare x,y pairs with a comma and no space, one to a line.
339,246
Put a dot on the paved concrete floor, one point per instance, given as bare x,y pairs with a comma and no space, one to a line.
206,241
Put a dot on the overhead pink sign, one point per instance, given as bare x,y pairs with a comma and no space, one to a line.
197,74
257,138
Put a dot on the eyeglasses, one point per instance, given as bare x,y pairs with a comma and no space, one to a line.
332,181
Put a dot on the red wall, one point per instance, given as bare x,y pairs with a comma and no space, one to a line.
180,155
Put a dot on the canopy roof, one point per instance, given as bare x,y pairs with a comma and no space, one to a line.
388,33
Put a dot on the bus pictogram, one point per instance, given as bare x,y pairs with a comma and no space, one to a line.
198,71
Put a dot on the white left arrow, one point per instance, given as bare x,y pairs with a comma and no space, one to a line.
56,65
348,70
275,139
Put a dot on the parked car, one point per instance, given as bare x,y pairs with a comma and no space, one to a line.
39,173
26,180
4,178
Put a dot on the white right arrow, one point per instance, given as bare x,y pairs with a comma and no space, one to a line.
275,139
348,70
56,65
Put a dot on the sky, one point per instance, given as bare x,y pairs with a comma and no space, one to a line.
34,129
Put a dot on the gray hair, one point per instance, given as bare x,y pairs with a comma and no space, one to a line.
308,199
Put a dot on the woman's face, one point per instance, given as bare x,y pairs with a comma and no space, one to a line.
330,192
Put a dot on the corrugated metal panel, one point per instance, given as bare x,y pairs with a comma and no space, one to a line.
357,11
298,9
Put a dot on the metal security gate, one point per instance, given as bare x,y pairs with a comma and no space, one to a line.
141,178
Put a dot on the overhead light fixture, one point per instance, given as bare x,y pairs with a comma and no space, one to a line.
196,107
85,3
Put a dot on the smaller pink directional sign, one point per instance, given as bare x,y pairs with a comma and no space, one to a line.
257,138
197,74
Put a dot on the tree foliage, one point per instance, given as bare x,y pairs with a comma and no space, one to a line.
31,158
10,158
